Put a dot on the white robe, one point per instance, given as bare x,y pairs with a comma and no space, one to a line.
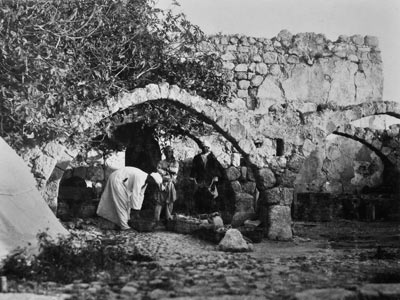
124,190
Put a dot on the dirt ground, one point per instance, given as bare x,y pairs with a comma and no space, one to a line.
321,255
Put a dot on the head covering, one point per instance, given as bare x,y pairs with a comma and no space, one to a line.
157,178
207,144
168,148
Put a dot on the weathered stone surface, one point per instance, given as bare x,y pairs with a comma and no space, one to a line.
261,68
228,56
244,84
286,178
326,294
358,39
243,94
380,291
250,174
241,68
275,70
153,91
44,166
256,80
280,195
295,162
293,59
285,37
369,83
228,65
328,81
243,58
233,242
267,178
305,107
240,217
236,186
270,57
233,173
244,202
279,223
269,90
237,104
257,58
371,41
54,149
249,187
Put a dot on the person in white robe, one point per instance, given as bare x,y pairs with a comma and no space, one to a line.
125,191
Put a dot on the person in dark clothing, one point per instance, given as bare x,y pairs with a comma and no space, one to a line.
205,173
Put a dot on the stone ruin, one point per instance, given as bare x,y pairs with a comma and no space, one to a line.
290,139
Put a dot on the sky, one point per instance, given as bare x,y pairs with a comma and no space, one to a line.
265,18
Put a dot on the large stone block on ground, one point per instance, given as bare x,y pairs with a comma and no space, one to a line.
279,223
233,241
279,196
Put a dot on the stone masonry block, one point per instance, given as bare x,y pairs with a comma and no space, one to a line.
164,90
241,68
244,84
270,57
279,223
153,92
371,41
138,96
232,173
244,202
279,195
54,149
267,178
43,166
261,68
236,186
174,92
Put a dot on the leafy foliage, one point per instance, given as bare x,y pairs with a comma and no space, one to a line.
67,260
58,58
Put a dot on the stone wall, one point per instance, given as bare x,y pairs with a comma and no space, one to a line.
305,68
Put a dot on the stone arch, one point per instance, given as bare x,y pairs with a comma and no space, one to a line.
221,117
373,139
300,131
216,115
384,143
319,124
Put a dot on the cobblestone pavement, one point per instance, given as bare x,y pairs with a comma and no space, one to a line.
320,256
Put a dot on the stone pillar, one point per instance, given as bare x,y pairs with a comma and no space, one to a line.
279,201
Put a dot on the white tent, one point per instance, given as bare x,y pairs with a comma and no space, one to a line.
23,212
